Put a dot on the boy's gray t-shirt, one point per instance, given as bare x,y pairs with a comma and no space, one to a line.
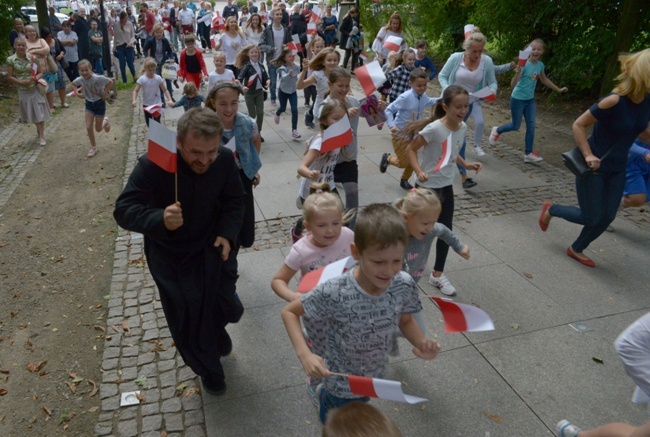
359,327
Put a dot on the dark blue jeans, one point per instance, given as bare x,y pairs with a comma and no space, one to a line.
527,109
293,101
599,195
328,401
461,169
125,56
273,75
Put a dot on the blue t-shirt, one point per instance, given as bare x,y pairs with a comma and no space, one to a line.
618,127
525,88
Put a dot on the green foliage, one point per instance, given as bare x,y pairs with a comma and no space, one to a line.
7,14
241,3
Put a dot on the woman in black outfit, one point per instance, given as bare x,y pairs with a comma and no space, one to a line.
350,21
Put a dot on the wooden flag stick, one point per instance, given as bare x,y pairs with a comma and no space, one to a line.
176,186
339,374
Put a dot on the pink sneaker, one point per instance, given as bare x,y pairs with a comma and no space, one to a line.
295,134
276,118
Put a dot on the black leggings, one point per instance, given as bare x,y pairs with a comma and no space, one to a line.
310,92
247,233
446,196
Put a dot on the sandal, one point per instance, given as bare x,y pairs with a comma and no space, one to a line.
92,152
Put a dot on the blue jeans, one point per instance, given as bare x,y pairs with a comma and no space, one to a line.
329,401
293,101
273,75
527,108
599,195
125,56
461,153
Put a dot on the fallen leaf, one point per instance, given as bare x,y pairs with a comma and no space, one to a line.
13,313
73,388
93,409
140,381
515,326
598,360
125,326
528,275
100,328
5,372
35,367
115,328
180,388
47,411
65,426
495,417
77,380
192,391
3,391
43,373
141,398
95,389
163,433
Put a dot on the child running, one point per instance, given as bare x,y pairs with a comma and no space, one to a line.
220,71
346,171
400,75
409,106
288,73
316,165
192,66
420,209
522,99
422,60
313,48
443,131
191,98
151,85
95,89
321,66
255,80
376,289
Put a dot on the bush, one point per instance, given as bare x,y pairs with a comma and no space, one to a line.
7,14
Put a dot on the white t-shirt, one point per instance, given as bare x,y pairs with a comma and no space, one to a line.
469,79
305,257
185,17
428,156
252,36
278,39
231,46
325,163
150,89
215,77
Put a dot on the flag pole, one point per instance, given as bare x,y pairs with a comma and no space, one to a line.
176,187
339,374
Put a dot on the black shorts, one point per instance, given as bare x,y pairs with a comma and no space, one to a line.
346,171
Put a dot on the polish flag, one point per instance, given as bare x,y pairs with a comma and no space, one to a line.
293,47
364,56
74,92
333,270
460,317
381,388
370,77
251,80
34,68
446,154
311,29
162,147
232,146
315,10
485,94
468,30
155,109
393,43
218,22
337,135
296,41
314,17
524,55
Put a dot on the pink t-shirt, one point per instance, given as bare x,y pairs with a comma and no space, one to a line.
305,257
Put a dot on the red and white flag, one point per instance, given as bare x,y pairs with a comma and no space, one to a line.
524,55
251,80
446,154
460,317
34,67
162,147
232,146
337,135
315,10
294,49
484,93
74,92
296,41
393,43
364,56
468,30
381,388
311,29
333,270
370,77
218,22
155,109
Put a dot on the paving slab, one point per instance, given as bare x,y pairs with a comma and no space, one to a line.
256,269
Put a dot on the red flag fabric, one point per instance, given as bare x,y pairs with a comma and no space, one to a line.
337,135
294,49
370,77
162,147
296,41
311,29
460,317
332,270
218,22
381,388
251,80
155,109
74,92
393,43
485,94
446,154
364,56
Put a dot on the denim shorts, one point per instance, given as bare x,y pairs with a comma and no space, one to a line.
98,108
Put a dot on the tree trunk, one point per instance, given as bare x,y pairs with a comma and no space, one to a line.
628,26
43,15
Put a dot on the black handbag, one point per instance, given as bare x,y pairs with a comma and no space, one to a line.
575,161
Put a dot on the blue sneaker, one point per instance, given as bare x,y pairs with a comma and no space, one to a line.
322,408
312,390
564,428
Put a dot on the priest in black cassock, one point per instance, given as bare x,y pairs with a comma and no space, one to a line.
190,244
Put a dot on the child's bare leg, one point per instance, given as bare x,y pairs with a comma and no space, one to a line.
62,96
40,128
90,118
614,430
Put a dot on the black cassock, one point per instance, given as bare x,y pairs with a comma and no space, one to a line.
197,289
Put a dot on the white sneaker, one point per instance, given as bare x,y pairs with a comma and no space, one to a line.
494,136
443,284
479,151
532,157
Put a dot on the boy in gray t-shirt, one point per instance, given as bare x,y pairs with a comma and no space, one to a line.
361,310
